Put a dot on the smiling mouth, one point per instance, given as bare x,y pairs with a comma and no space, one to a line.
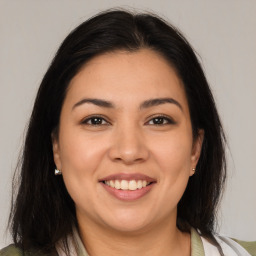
127,184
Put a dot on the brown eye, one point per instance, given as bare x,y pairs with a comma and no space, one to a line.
95,121
160,120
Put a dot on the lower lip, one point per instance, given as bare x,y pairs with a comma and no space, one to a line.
128,195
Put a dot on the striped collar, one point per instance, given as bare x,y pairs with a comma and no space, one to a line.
197,248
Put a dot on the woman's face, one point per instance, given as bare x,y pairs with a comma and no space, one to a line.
125,145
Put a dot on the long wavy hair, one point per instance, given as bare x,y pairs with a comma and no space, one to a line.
42,210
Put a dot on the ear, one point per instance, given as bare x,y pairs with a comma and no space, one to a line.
196,150
56,150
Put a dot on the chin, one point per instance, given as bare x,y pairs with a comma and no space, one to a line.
127,221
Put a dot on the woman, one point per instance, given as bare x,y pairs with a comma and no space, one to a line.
126,121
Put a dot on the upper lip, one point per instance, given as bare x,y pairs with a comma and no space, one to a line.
128,176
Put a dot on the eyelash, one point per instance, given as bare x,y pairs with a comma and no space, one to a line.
167,120
85,122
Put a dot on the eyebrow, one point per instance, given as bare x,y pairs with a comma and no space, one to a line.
159,101
97,102
146,104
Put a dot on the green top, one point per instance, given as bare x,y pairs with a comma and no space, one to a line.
197,248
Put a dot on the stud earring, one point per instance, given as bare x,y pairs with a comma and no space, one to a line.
57,172
194,169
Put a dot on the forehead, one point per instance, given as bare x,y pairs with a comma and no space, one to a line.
124,76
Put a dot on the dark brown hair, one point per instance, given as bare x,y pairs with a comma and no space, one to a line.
43,212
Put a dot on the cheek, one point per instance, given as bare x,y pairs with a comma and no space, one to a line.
80,158
80,153
172,158
173,154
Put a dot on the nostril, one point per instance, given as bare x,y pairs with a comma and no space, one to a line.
128,150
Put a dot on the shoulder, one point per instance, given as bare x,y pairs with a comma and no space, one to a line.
240,247
248,246
202,246
12,250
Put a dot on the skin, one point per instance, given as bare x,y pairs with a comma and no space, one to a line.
127,140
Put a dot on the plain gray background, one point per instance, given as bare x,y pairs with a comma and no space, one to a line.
222,32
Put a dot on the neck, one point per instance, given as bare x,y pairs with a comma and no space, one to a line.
162,239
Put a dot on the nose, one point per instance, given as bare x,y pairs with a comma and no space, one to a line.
128,146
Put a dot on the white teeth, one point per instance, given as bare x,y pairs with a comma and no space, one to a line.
117,184
112,184
132,185
124,184
139,184
127,185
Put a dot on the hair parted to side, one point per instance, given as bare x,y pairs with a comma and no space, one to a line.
43,212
